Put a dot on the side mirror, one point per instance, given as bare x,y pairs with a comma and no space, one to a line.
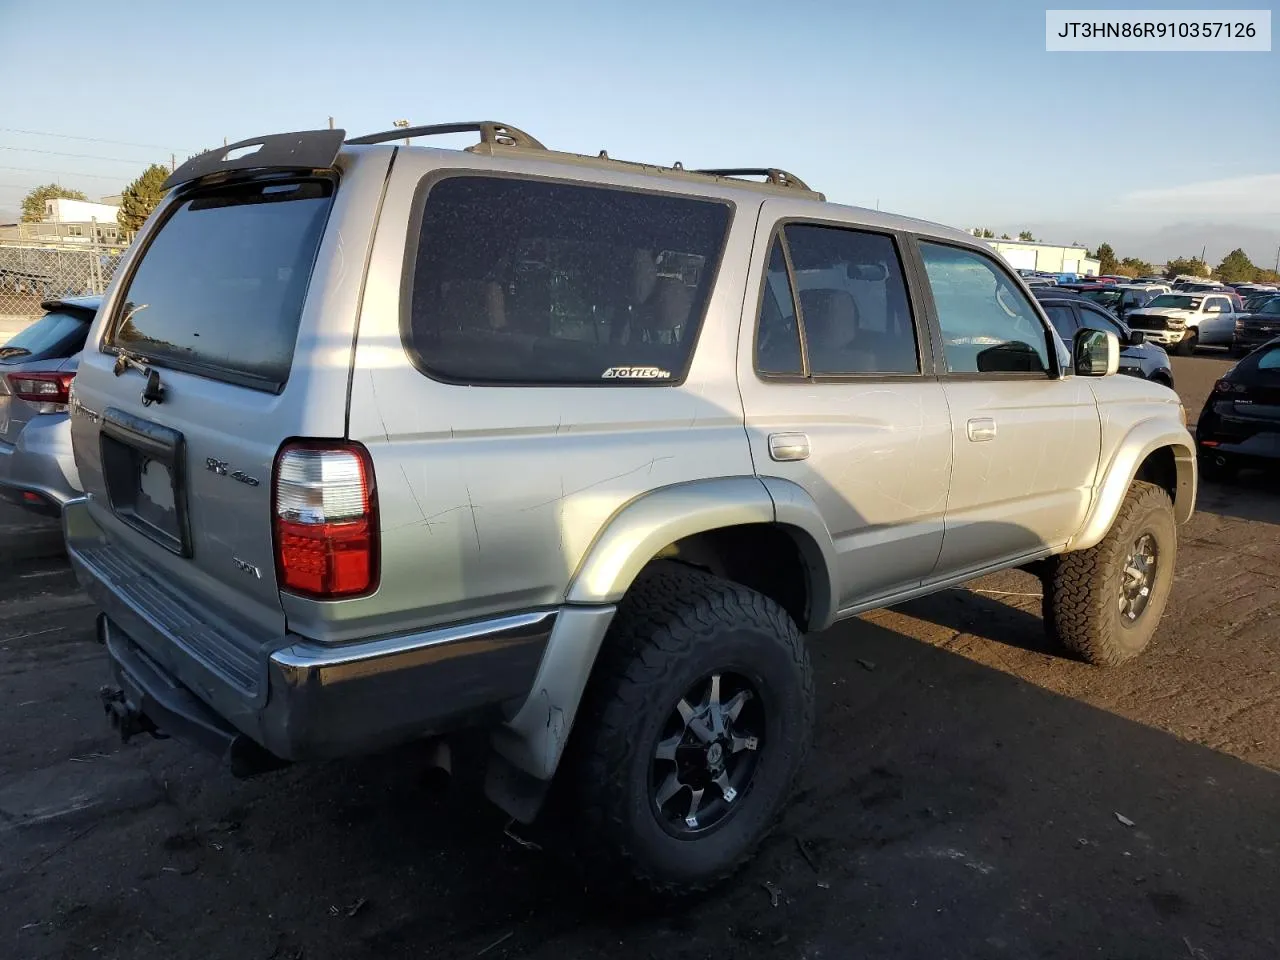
1096,353
1137,338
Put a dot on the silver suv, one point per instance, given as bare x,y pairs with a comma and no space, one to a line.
383,442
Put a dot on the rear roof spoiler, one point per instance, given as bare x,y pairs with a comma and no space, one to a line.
294,152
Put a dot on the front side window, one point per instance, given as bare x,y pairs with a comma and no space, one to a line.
528,281
853,301
988,326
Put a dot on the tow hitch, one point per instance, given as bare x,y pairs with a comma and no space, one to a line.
125,718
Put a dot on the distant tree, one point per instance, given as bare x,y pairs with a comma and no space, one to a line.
1266,276
1235,267
141,197
1191,266
1026,235
33,202
1005,236
1133,267
983,233
1106,258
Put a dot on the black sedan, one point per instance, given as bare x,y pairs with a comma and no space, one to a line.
1256,327
1068,312
1240,423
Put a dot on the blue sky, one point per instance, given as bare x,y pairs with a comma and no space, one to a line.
947,110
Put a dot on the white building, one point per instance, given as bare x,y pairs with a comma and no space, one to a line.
62,210
1047,257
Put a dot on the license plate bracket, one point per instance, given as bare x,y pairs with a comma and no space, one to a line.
144,471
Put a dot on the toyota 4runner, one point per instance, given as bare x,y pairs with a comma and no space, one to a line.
383,442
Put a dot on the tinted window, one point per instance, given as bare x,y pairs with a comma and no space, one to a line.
1270,360
1271,308
59,332
853,301
987,324
777,334
220,288
521,281
1097,320
1063,320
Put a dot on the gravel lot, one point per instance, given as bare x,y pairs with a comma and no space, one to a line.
965,799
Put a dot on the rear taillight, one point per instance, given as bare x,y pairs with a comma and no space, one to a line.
41,387
326,524
1226,386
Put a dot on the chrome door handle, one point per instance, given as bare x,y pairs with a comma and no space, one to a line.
788,446
982,428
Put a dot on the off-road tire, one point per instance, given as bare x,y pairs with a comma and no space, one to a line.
1187,345
1082,589
675,626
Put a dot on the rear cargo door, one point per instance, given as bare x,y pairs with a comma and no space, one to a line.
211,353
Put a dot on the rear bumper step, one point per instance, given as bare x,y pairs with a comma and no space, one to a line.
305,700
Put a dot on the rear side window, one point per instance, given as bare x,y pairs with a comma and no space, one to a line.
219,289
64,333
534,282
1270,360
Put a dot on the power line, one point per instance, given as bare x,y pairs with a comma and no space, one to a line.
69,136
81,156
64,173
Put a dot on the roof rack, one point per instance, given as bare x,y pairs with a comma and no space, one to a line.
779,178
490,132
304,151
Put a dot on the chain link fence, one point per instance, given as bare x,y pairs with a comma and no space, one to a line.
30,274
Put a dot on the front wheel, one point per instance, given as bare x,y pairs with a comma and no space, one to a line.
1187,346
1104,603
694,729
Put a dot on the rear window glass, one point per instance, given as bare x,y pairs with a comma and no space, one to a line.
522,281
54,330
219,289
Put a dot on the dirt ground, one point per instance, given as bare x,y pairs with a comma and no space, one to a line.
971,795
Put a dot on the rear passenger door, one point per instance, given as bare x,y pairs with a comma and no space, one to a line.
1219,322
1026,440
839,395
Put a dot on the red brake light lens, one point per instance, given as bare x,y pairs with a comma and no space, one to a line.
1226,386
41,387
326,529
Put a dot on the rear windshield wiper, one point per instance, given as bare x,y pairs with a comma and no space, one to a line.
153,392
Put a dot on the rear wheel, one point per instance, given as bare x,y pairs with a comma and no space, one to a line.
693,731
1104,603
1187,346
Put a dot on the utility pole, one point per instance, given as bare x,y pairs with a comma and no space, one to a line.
173,162
331,123
1277,259
401,123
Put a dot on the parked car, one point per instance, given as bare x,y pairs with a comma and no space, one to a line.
37,468
1187,320
1070,313
1251,304
1256,327
1240,423
606,442
1117,298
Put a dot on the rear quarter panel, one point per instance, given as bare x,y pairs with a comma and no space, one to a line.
489,497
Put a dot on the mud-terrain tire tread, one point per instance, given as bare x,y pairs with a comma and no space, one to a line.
1079,606
667,612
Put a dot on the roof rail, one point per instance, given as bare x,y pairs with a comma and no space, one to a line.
779,178
304,151
490,132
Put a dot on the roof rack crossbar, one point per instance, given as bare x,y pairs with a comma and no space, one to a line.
490,132
779,178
